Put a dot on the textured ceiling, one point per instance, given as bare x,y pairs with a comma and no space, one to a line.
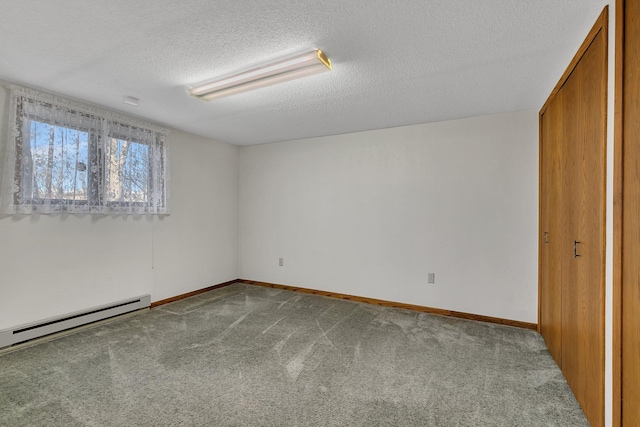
396,62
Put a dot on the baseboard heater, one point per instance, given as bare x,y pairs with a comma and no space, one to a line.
52,325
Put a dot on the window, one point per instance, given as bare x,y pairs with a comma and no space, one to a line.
56,174
67,157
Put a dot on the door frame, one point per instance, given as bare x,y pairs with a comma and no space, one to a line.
618,185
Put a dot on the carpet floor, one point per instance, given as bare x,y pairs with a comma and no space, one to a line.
245,355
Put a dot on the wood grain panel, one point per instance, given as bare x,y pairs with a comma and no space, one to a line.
581,96
572,365
630,298
617,215
591,184
551,139
422,309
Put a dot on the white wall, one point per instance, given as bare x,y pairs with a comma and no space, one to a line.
52,265
197,245
371,213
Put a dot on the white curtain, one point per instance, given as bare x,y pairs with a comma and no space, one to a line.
65,156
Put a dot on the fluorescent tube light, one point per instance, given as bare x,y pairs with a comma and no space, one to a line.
283,70
130,100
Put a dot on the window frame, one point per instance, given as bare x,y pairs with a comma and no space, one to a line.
110,125
91,145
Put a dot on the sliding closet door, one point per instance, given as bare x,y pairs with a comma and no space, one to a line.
572,363
584,289
572,218
550,223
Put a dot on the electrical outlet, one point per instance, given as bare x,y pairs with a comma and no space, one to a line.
281,262
431,277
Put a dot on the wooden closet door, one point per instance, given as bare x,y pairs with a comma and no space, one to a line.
574,121
631,218
551,227
572,362
588,294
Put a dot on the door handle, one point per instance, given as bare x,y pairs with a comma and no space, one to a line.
575,248
545,237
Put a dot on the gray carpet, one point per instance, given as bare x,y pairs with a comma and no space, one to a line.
250,356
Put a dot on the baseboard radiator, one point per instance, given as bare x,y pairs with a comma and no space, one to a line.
52,325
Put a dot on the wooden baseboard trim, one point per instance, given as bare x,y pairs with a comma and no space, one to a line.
419,308
192,293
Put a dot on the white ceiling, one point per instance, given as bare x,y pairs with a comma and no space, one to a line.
396,62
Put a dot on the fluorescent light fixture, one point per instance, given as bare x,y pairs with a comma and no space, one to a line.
130,100
283,70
